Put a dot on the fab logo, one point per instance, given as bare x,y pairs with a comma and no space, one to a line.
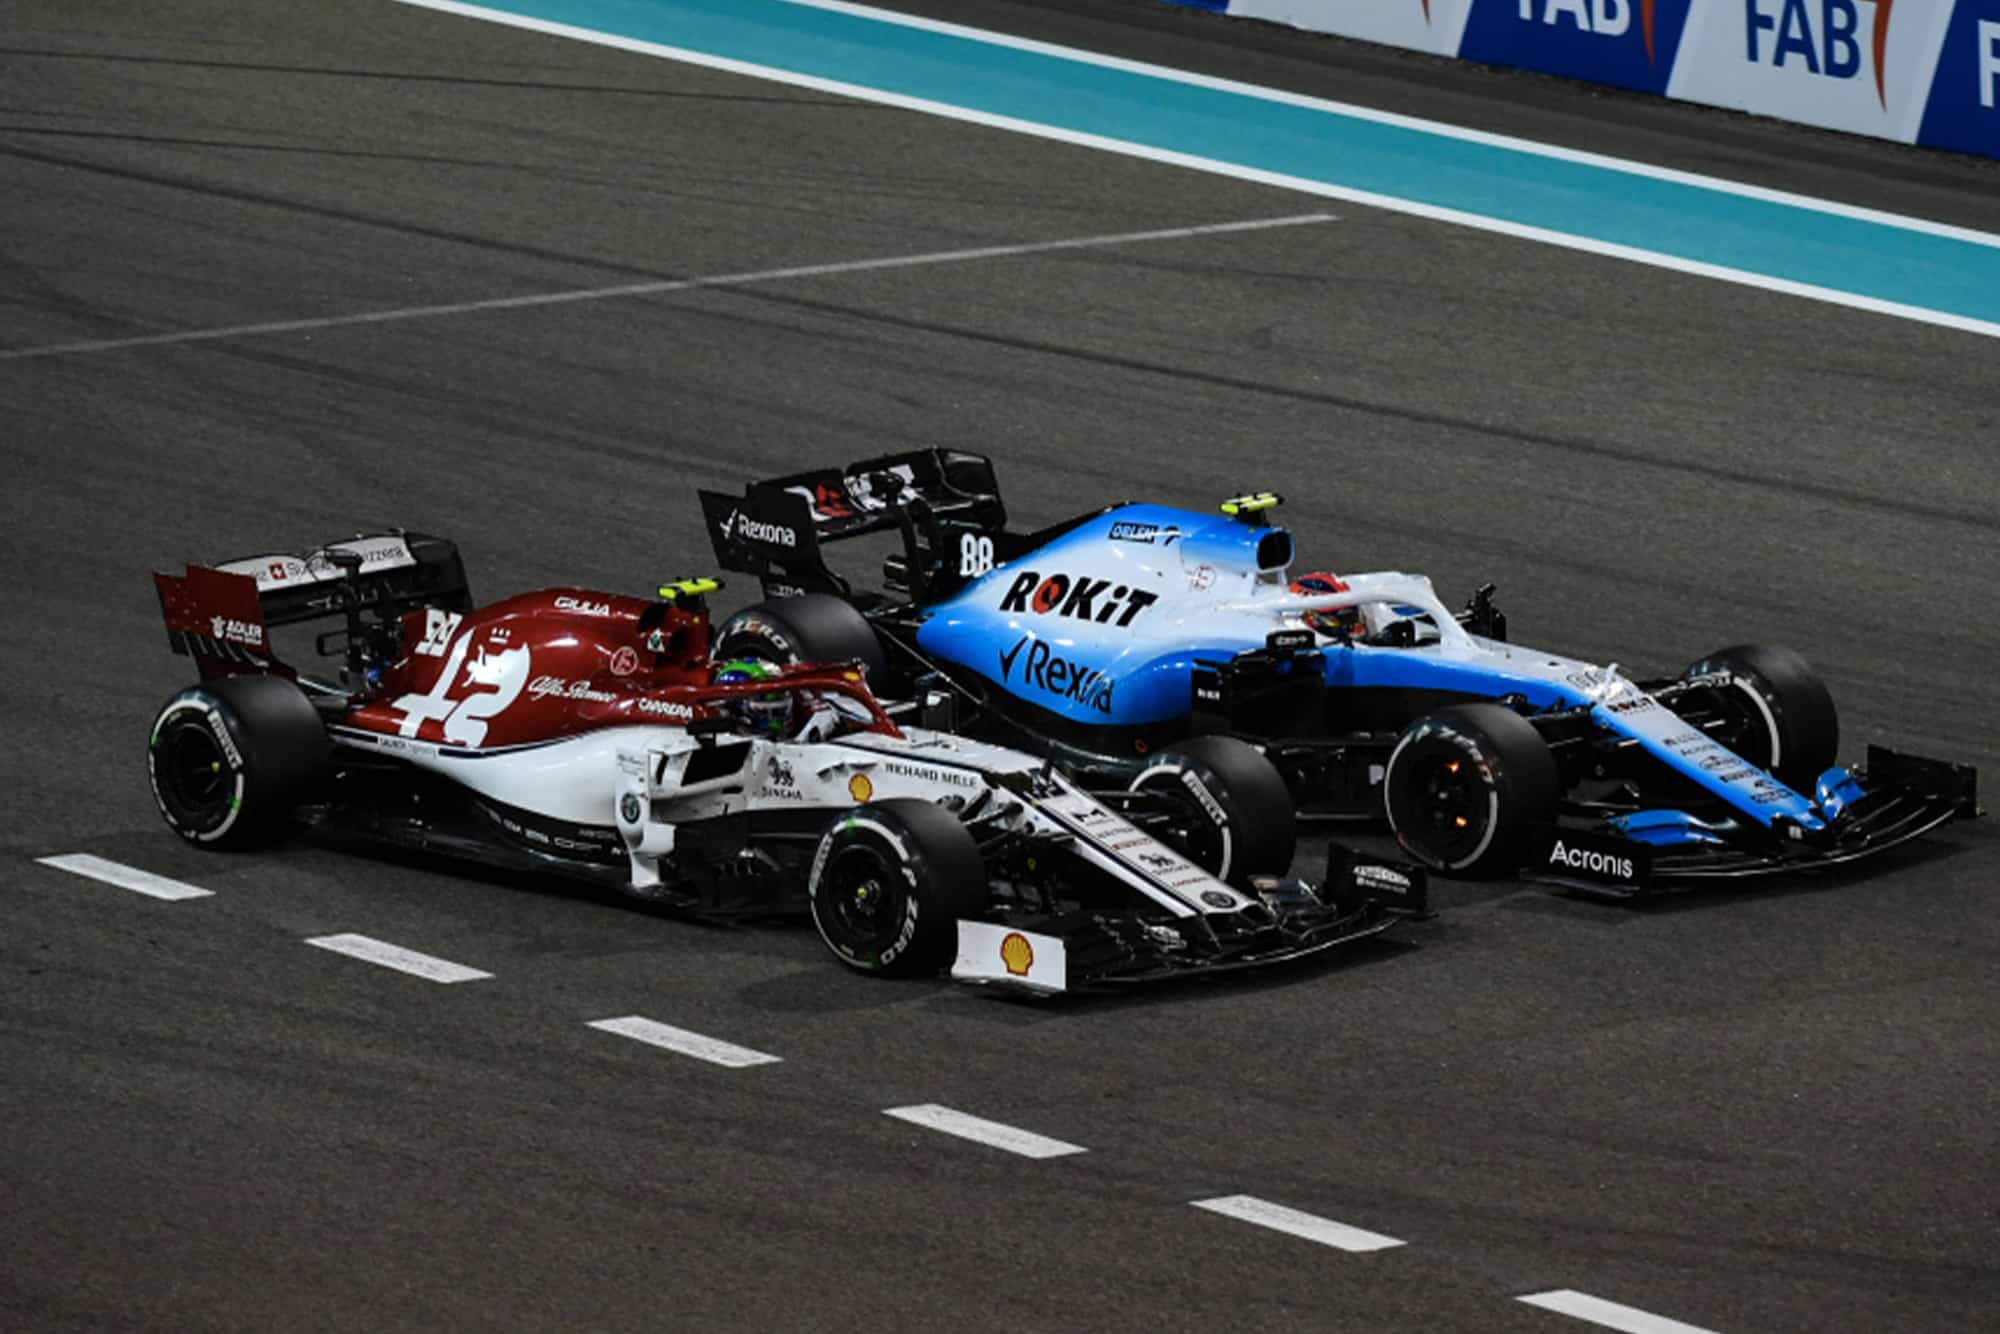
1630,43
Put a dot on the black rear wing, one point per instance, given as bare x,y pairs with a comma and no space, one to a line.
945,503
221,615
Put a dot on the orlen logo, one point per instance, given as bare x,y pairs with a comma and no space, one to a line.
1082,597
1826,46
1604,18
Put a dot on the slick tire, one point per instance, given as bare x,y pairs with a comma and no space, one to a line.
890,881
1790,727
813,627
231,759
1471,790
1239,820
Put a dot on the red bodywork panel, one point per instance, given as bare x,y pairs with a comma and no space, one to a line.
214,618
563,661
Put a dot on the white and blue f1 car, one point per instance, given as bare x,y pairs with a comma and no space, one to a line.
1101,639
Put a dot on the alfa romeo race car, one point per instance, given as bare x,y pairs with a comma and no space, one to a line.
586,734
1106,637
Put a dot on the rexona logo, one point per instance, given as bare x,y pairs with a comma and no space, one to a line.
1045,669
1080,596
1590,860
741,525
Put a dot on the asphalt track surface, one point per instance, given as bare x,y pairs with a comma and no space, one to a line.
1761,1112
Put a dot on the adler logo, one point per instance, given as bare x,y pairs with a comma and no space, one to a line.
1591,861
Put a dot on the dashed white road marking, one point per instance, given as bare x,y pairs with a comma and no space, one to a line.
1325,1231
662,286
702,1048
395,956
125,877
1011,1138
1611,1315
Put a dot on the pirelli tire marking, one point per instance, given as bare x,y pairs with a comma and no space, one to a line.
1192,781
219,728
912,910
1492,796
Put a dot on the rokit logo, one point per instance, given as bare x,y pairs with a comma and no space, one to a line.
1081,597
1590,860
741,525
1044,669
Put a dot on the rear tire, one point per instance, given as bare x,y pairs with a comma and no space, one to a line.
813,627
1471,790
889,883
1240,821
232,758
1791,728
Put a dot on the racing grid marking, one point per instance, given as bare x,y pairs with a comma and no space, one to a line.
1611,1315
125,877
371,950
666,285
998,1135
1325,1231
684,1041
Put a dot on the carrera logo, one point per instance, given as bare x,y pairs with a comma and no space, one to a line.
583,608
1081,597
741,525
1045,669
666,708
1590,861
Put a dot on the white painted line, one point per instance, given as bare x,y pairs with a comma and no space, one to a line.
1609,1314
1340,1236
1011,1138
664,285
1301,184
713,1050
1441,129
125,877
395,956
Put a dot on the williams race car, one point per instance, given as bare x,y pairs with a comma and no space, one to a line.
586,734
1104,638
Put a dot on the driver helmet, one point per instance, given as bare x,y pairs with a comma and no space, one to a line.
1334,622
764,715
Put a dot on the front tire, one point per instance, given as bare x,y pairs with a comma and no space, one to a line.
1239,821
813,627
1471,790
1789,725
231,759
889,883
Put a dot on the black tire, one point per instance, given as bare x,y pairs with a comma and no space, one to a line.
1790,727
1240,822
231,759
813,627
1471,790
890,881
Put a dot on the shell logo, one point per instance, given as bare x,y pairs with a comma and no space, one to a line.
1017,954
859,788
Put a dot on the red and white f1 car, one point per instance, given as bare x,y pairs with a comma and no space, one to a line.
587,734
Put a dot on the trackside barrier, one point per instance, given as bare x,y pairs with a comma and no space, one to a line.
1918,71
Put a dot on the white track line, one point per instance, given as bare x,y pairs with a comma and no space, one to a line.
664,285
713,1050
395,956
1011,1138
125,877
1609,1314
1250,1209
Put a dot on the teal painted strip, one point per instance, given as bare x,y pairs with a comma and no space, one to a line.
1783,241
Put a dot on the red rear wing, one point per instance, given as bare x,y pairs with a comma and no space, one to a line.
216,618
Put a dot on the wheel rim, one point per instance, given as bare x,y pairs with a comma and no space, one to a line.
861,891
194,776
1449,807
1204,844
